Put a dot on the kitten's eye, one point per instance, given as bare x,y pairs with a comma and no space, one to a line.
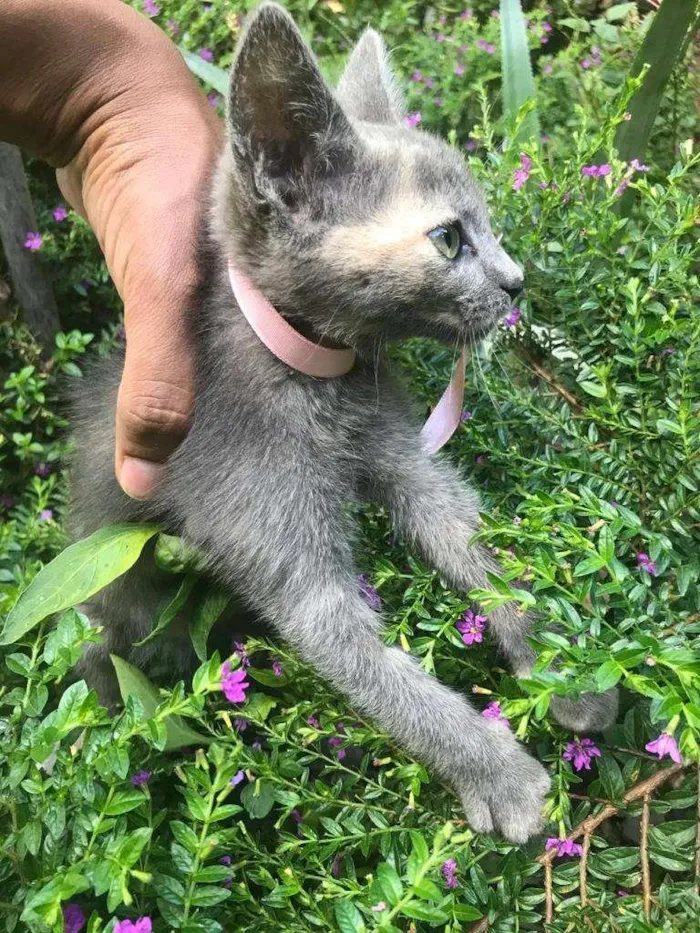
447,240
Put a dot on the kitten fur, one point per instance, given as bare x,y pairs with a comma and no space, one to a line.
325,200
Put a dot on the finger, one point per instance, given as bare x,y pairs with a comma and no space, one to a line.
154,406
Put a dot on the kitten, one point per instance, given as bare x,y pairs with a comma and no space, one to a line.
345,220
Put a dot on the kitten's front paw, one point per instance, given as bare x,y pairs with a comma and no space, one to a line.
510,797
592,712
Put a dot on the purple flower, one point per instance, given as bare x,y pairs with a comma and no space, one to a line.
429,83
512,318
449,873
622,893
277,668
73,918
581,753
564,846
621,188
459,70
637,166
141,777
480,460
33,241
441,37
547,70
586,64
42,470
257,746
334,742
142,925
438,101
45,515
466,14
225,860
646,563
665,745
240,725
668,351
521,175
485,46
206,55
59,213
313,722
465,416
213,99
378,907
335,867
233,683
495,14
173,27
417,76
413,119
472,627
471,145
237,778
296,816
596,171
239,650
546,27
151,8
368,592
493,711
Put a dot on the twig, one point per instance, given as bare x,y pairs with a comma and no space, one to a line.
481,926
639,791
697,839
548,905
644,858
549,378
582,866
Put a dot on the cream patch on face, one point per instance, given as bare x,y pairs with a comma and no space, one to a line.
398,238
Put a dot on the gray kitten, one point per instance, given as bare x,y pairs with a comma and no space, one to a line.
345,220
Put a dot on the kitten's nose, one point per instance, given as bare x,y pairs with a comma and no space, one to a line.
513,286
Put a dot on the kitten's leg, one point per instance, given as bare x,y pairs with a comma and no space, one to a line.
438,513
305,585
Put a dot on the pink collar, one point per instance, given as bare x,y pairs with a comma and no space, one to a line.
289,346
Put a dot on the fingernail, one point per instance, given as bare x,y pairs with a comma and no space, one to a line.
140,478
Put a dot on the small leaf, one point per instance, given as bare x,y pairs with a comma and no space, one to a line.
348,918
75,575
593,388
258,799
213,76
204,618
171,610
390,883
124,801
133,682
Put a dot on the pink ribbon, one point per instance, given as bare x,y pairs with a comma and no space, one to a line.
289,346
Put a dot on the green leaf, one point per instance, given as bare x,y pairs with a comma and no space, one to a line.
258,799
124,801
390,883
593,388
518,84
589,565
615,14
608,675
210,895
213,76
204,618
75,575
660,51
466,912
418,911
133,682
185,836
348,918
171,610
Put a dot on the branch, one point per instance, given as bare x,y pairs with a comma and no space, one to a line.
644,858
639,791
550,380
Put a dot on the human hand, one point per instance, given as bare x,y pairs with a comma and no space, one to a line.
142,143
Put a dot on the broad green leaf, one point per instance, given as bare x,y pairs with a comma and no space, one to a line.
608,675
419,911
390,883
518,84
210,895
660,50
593,388
171,610
348,917
133,682
124,801
213,76
75,575
204,618
258,799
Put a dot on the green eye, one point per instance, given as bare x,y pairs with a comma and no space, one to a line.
447,240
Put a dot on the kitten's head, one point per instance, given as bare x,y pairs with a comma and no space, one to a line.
352,224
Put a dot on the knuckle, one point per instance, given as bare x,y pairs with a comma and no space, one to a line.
156,407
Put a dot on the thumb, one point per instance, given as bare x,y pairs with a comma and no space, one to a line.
155,404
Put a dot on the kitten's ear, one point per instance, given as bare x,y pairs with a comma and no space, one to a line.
285,124
368,90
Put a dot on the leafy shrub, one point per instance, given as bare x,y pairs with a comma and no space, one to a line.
582,434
